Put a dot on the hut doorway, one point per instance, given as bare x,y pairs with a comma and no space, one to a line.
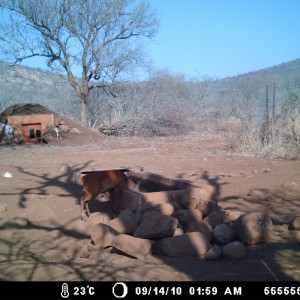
31,133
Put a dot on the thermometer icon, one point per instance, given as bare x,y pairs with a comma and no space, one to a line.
64,290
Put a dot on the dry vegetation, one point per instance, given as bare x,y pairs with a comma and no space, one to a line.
262,108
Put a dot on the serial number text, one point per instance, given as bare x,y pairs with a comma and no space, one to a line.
280,290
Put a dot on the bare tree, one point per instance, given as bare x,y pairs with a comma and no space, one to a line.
99,38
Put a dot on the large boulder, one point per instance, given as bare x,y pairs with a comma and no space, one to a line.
75,131
231,215
206,207
214,253
98,217
215,218
178,231
132,246
126,222
161,207
190,198
198,197
223,234
201,227
234,250
156,226
176,205
127,199
102,235
64,128
187,216
207,199
254,228
188,244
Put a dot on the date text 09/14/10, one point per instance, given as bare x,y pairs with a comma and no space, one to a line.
139,291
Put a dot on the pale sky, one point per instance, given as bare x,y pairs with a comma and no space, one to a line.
220,38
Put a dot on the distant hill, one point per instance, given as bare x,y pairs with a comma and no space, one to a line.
291,68
250,88
287,68
280,73
20,84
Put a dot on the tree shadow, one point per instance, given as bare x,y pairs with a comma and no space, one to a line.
41,252
262,262
65,181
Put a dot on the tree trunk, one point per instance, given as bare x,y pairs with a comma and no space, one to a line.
85,116
83,94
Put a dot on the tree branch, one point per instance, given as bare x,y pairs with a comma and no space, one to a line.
104,87
20,59
71,33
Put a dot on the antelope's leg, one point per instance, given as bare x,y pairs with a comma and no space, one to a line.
84,206
87,209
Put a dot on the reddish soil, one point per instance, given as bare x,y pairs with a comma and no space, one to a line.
45,174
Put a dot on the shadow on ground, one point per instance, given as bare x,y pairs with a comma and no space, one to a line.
44,252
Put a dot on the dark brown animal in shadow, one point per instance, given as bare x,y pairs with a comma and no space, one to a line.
96,182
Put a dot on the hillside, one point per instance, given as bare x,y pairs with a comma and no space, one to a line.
164,96
20,84
291,68
282,74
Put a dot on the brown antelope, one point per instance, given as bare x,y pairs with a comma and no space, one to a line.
96,182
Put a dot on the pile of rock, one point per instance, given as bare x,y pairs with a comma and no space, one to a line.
63,127
177,223
180,223
55,132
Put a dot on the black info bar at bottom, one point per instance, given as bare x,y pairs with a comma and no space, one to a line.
147,290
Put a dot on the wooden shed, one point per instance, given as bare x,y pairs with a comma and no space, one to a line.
31,127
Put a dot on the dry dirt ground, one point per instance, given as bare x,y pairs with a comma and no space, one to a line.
44,174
